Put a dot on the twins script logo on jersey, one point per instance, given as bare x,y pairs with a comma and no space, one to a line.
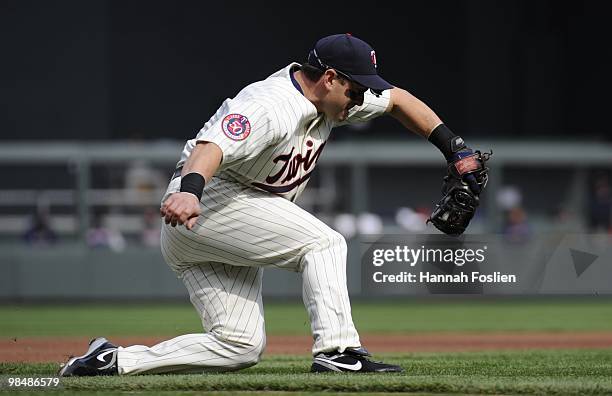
236,126
295,169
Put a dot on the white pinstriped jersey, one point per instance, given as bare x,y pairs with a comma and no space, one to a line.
271,135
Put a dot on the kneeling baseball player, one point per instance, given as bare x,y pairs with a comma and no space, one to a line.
229,213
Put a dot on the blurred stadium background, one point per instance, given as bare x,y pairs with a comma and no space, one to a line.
98,98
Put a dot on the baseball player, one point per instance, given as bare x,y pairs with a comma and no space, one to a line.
229,213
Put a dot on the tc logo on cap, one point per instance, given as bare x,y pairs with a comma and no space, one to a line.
373,57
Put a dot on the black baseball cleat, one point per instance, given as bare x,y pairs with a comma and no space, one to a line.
350,361
100,359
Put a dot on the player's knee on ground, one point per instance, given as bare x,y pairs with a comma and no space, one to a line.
249,355
247,349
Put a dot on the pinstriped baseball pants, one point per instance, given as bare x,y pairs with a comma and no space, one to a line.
241,231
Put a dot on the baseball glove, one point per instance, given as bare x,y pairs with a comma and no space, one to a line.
466,179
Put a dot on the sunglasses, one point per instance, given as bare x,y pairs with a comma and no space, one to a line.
354,94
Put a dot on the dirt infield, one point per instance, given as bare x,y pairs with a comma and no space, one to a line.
59,349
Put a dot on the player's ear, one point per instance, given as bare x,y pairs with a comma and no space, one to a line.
328,78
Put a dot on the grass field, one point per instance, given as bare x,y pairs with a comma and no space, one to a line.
535,372
291,318
561,372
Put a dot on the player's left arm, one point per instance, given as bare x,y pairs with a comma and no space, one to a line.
467,173
420,119
415,115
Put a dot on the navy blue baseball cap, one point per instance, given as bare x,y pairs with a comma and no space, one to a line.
350,56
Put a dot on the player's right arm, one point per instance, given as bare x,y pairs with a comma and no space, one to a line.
184,207
238,132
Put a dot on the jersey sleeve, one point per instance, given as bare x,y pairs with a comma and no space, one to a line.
373,106
242,130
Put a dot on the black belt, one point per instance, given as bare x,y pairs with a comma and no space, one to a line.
177,172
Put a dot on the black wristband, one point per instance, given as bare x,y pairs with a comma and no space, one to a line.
193,183
446,141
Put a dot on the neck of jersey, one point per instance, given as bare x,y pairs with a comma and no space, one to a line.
294,81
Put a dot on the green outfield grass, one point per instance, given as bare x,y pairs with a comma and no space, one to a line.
536,372
290,318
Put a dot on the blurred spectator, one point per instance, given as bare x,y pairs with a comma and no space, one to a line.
39,233
516,228
100,236
600,204
346,224
150,235
142,180
509,197
413,221
142,177
564,220
369,223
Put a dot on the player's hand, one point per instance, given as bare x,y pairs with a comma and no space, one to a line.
465,165
181,208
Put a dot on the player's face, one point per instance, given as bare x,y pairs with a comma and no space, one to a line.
344,95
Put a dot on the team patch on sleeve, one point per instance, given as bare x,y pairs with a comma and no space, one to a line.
236,126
